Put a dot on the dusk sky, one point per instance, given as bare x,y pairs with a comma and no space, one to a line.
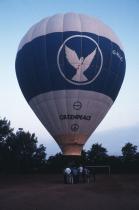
121,124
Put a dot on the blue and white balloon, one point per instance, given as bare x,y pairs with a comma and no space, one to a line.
70,68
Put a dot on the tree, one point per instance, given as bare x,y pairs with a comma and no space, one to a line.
97,154
22,152
129,151
56,163
5,132
84,157
39,157
5,129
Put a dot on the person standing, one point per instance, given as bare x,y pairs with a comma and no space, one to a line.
75,174
67,174
80,172
86,175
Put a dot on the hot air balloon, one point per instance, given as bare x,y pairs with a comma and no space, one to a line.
70,68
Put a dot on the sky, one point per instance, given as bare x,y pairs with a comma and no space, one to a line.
121,124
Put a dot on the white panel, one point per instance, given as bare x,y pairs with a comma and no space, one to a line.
94,107
94,25
43,115
39,29
90,24
69,22
55,24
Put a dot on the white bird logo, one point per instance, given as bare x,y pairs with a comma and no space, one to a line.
81,65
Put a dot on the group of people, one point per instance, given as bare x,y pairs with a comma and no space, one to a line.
74,175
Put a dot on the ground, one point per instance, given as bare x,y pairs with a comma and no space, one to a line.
48,192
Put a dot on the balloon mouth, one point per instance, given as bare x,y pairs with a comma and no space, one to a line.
71,144
72,149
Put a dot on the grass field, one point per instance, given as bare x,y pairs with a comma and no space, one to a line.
48,192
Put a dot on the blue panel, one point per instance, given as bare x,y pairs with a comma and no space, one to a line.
42,65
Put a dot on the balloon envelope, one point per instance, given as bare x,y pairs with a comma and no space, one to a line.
70,68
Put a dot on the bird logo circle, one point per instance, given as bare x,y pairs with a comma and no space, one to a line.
80,59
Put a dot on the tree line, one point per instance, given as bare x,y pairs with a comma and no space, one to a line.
20,153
